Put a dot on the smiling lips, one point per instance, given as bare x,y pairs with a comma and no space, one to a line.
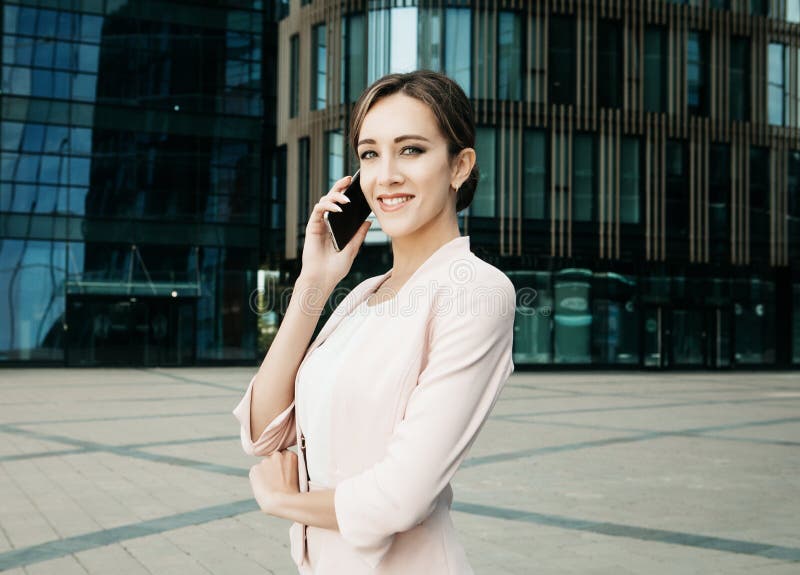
393,202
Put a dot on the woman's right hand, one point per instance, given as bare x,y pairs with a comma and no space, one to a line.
321,261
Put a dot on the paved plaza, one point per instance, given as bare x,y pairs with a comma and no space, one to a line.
141,471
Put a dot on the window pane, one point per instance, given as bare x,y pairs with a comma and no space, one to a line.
719,201
609,64
794,207
484,66
583,178
404,40
319,63
535,185
378,50
677,200
776,84
509,54
484,200
294,89
335,163
759,7
355,59
303,210
697,74
629,192
430,39
573,317
740,79
458,46
562,60
793,11
759,203
32,306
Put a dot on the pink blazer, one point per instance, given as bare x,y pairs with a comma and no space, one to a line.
407,408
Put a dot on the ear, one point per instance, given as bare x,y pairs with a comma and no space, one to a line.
462,166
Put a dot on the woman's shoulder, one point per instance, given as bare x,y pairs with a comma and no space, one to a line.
471,273
472,287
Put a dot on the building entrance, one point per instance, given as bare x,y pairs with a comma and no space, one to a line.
130,331
689,337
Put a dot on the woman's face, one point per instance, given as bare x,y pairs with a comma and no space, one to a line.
402,152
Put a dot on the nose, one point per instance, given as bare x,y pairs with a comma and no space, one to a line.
388,172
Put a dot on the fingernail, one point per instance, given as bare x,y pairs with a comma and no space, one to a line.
346,199
338,209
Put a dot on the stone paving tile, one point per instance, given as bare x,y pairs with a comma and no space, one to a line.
113,558
62,566
141,471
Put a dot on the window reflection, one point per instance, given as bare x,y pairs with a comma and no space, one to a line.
458,47
509,56
483,204
31,299
776,84
697,73
534,200
573,317
754,321
533,323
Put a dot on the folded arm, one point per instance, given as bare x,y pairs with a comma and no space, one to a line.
279,433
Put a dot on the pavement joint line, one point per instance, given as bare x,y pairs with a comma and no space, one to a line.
679,433
649,406
470,462
523,414
116,418
75,544
778,552
79,450
562,392
41,454
133,453
189,380
646,436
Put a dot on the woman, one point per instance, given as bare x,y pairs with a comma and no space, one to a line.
412,363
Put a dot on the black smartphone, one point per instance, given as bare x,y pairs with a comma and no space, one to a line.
344,225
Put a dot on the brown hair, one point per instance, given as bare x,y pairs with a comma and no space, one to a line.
447,101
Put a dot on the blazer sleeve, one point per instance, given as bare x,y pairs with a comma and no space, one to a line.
469,359
279,433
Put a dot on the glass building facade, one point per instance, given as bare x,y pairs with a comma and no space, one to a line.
640,179
137,180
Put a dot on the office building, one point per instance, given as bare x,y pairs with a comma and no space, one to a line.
640,163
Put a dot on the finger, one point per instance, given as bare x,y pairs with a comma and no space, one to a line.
338,196
342,182
325,205
331,206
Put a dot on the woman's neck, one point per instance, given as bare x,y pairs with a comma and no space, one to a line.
410,253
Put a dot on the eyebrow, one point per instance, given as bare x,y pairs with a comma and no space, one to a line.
397,139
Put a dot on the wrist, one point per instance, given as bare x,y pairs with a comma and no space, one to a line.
306,281
282,504
311,294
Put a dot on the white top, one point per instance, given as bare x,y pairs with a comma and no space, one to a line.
315,386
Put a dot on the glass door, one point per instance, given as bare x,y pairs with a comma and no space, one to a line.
718,322
688,337
653,341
